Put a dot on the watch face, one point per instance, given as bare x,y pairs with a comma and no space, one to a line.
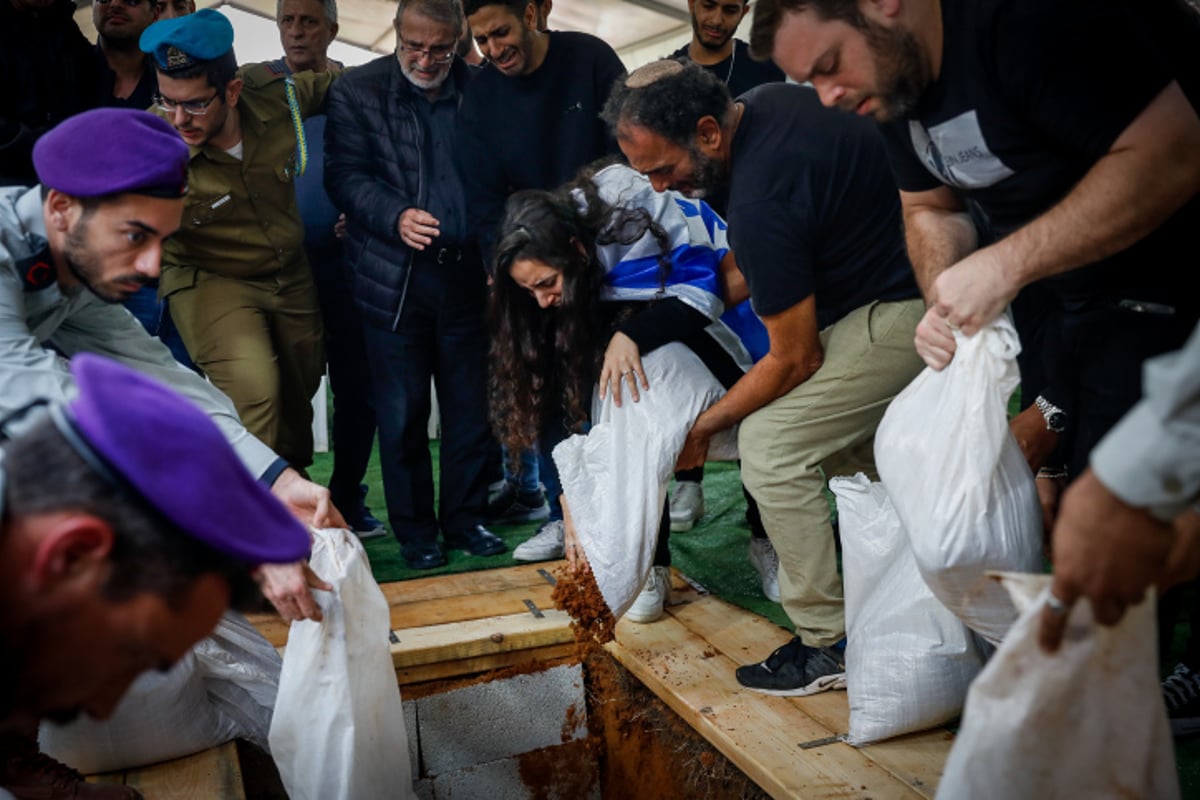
1057,421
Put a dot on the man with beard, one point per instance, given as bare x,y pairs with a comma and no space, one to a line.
418,279
239,286
815,223
713,46
1066,123
113,182
107,569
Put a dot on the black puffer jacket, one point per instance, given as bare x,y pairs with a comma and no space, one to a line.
375,168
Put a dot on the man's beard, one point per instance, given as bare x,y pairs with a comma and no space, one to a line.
906,74
423,83
708,176
85,264
698,35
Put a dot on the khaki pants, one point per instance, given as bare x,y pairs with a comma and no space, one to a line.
823,428
261,343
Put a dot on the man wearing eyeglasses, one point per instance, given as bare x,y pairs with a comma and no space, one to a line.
418,281
239,287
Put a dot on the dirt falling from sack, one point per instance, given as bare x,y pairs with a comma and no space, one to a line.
577,594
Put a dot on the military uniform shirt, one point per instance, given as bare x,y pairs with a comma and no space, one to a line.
241,220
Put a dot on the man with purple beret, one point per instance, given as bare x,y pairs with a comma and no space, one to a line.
129,526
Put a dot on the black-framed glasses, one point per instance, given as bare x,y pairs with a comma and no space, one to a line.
438,54
126,3
193,108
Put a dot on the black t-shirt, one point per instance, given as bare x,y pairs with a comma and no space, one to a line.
1030,95
740,72
813,208
534,131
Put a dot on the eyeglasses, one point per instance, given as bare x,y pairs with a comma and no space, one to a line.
438,54
126,3
193,108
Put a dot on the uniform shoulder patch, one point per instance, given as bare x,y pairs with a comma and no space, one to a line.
259,75
37,271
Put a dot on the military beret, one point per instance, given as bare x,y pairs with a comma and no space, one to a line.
182,42
153,444
112,150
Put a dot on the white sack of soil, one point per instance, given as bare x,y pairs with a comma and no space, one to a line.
338,731
615,477
223,689
1088,721
958,481
909,661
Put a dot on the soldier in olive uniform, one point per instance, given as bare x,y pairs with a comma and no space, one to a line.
240,289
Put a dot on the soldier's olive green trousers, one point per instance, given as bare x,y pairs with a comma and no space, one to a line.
823,428
260,342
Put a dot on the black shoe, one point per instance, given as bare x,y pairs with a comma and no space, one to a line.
1181,692
795,670
365,525
510,505
477,541
426,557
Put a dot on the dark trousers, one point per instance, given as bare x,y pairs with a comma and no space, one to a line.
353,423
442,335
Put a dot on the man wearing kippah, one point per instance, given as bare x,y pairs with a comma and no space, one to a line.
107,570
240,289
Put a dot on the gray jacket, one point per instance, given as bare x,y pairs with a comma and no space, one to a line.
35,316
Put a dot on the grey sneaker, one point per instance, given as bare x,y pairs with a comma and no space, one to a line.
649,604
765,560
687,505
795,670
545,545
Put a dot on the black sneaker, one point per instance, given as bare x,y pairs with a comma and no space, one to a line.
509,505
795,670
1181,692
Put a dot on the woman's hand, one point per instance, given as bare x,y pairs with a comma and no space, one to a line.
622,362
576,559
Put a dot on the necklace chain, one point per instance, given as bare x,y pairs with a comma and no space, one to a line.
732,61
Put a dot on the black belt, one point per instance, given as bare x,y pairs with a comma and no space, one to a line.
443,255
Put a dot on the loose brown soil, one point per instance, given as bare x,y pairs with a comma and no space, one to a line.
577,594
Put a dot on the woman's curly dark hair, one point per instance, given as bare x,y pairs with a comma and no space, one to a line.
543,357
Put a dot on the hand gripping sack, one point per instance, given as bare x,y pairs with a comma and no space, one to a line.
615,477
909,661
958,481
338,731
1086,722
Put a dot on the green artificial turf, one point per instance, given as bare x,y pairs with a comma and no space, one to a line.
712,554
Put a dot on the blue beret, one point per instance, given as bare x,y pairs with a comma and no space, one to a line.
110,151
151,442
182,42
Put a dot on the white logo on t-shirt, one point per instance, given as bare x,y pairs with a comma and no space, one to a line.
956,153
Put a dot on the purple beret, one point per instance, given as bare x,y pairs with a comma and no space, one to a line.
174,457
112,150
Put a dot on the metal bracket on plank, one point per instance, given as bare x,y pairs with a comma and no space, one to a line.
533,609
548,577
822,742
393,638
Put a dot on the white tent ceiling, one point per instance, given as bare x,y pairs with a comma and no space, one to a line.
639,30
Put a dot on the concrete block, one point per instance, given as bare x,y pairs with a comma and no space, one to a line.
562,772
423,789
414,736
494,720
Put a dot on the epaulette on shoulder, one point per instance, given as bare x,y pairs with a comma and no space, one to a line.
260,75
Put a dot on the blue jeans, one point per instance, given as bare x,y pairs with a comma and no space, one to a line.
156,319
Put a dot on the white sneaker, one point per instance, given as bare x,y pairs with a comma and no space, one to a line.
544,545
687,505
765,560
650,602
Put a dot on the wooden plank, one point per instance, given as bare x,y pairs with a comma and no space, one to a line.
479,637
756,732
447,598
214,773
458,668
917,759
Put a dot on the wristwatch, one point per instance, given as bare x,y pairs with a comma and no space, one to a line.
1056,418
